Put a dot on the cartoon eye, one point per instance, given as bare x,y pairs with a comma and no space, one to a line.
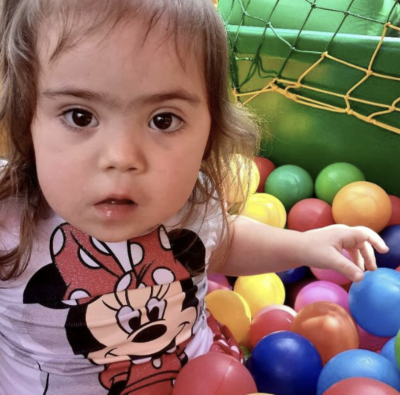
129,319
156,309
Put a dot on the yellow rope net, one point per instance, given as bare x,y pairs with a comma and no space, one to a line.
290,88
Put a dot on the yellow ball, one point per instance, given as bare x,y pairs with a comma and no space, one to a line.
260,290
230,309
265,208
246,178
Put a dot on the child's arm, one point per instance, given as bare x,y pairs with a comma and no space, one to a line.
255,248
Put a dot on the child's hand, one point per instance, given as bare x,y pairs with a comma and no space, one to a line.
322,249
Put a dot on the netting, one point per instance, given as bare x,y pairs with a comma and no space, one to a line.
340,56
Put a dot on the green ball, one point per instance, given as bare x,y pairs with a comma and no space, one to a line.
333,178
289,184
397,349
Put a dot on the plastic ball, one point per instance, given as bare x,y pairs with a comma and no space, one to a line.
230,309
265,208
395,217
361,386
310,214
368,341
389,351
285,363
217,281
333,178
374,301
265,167
358,363
260,290
214,374
293,275
292,290
329,328
391,259
245,181
362,203
331,275
322,291
290,184
271,319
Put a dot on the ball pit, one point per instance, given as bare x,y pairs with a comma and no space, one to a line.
362,203
310,214
289,184
319,291
230,309
277,364
265,168
358,363
266,209
389,351
271,319
361,386
395,217
260,290
391,259
329,328
333,178
374,300
214,374
293,275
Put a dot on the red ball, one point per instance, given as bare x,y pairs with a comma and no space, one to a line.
360,386
310,214
271,319
214,374
395,218
265,167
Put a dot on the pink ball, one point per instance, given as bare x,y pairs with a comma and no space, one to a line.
331,275
371,342
271,319
214,374
310,214
322,291
217,281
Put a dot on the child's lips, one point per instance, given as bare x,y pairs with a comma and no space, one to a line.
115,208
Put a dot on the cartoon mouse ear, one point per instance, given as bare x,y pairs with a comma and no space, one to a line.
47,288
188,249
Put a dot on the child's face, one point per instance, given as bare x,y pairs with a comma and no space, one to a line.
120,131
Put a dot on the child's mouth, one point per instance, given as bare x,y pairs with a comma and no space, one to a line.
117,201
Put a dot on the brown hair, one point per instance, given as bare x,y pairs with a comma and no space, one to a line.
194,21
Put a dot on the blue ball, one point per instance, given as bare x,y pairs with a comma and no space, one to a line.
285,363
391,259
293,275
358,363
374,302
388,351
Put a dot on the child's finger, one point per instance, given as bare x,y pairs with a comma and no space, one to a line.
363,234
357,258
348,268
369,256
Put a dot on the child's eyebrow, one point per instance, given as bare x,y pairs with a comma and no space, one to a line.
114,103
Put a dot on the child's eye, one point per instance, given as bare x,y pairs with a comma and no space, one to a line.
79,118
166,122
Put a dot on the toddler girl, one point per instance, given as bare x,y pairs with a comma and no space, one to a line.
120,133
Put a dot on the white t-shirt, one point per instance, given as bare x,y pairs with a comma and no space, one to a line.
94,318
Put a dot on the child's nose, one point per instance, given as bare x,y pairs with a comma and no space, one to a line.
123,152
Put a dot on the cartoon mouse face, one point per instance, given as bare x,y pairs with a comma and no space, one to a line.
140,324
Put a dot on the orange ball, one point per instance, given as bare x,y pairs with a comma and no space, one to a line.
362,203
328,326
